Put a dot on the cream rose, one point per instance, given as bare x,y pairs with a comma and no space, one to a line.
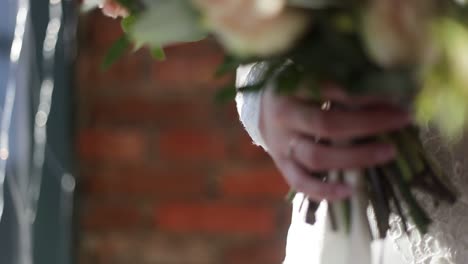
397,31
113,9
254,27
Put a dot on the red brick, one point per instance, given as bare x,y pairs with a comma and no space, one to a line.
129,73
145,183
265,252
144,175
148,247
205,46
112,145
101,31
122,110
217,218
194,145
190,69
128,69
184,249
228,113
244,147
259,183
99,216
184,110
149,110
247,150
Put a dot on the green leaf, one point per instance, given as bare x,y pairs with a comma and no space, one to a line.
404,167
312,4
117,50
313,88
400,160
395,82
253,87
229,92
128,22
345,206
288,79
158,53
379,199
332,216
130,5
290,196
229,64
226,94
125,3
311,210
407,142
390,189
167,21
417,213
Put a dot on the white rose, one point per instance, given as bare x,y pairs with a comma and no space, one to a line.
254,27
113,9
109,7
396,31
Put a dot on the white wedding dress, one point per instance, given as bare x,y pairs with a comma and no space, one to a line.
447,239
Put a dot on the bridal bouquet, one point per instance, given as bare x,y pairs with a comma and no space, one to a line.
413,51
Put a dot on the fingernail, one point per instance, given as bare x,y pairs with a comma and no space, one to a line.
386,153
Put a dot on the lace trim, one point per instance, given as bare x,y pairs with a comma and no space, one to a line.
447,239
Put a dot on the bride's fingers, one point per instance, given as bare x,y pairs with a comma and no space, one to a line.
314,188
333,93
337,124
315,157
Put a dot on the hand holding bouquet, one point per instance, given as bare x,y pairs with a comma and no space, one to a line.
412,52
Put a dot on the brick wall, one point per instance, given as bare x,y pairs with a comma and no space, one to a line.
166,175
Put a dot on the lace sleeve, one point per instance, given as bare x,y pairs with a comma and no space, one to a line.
447,239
